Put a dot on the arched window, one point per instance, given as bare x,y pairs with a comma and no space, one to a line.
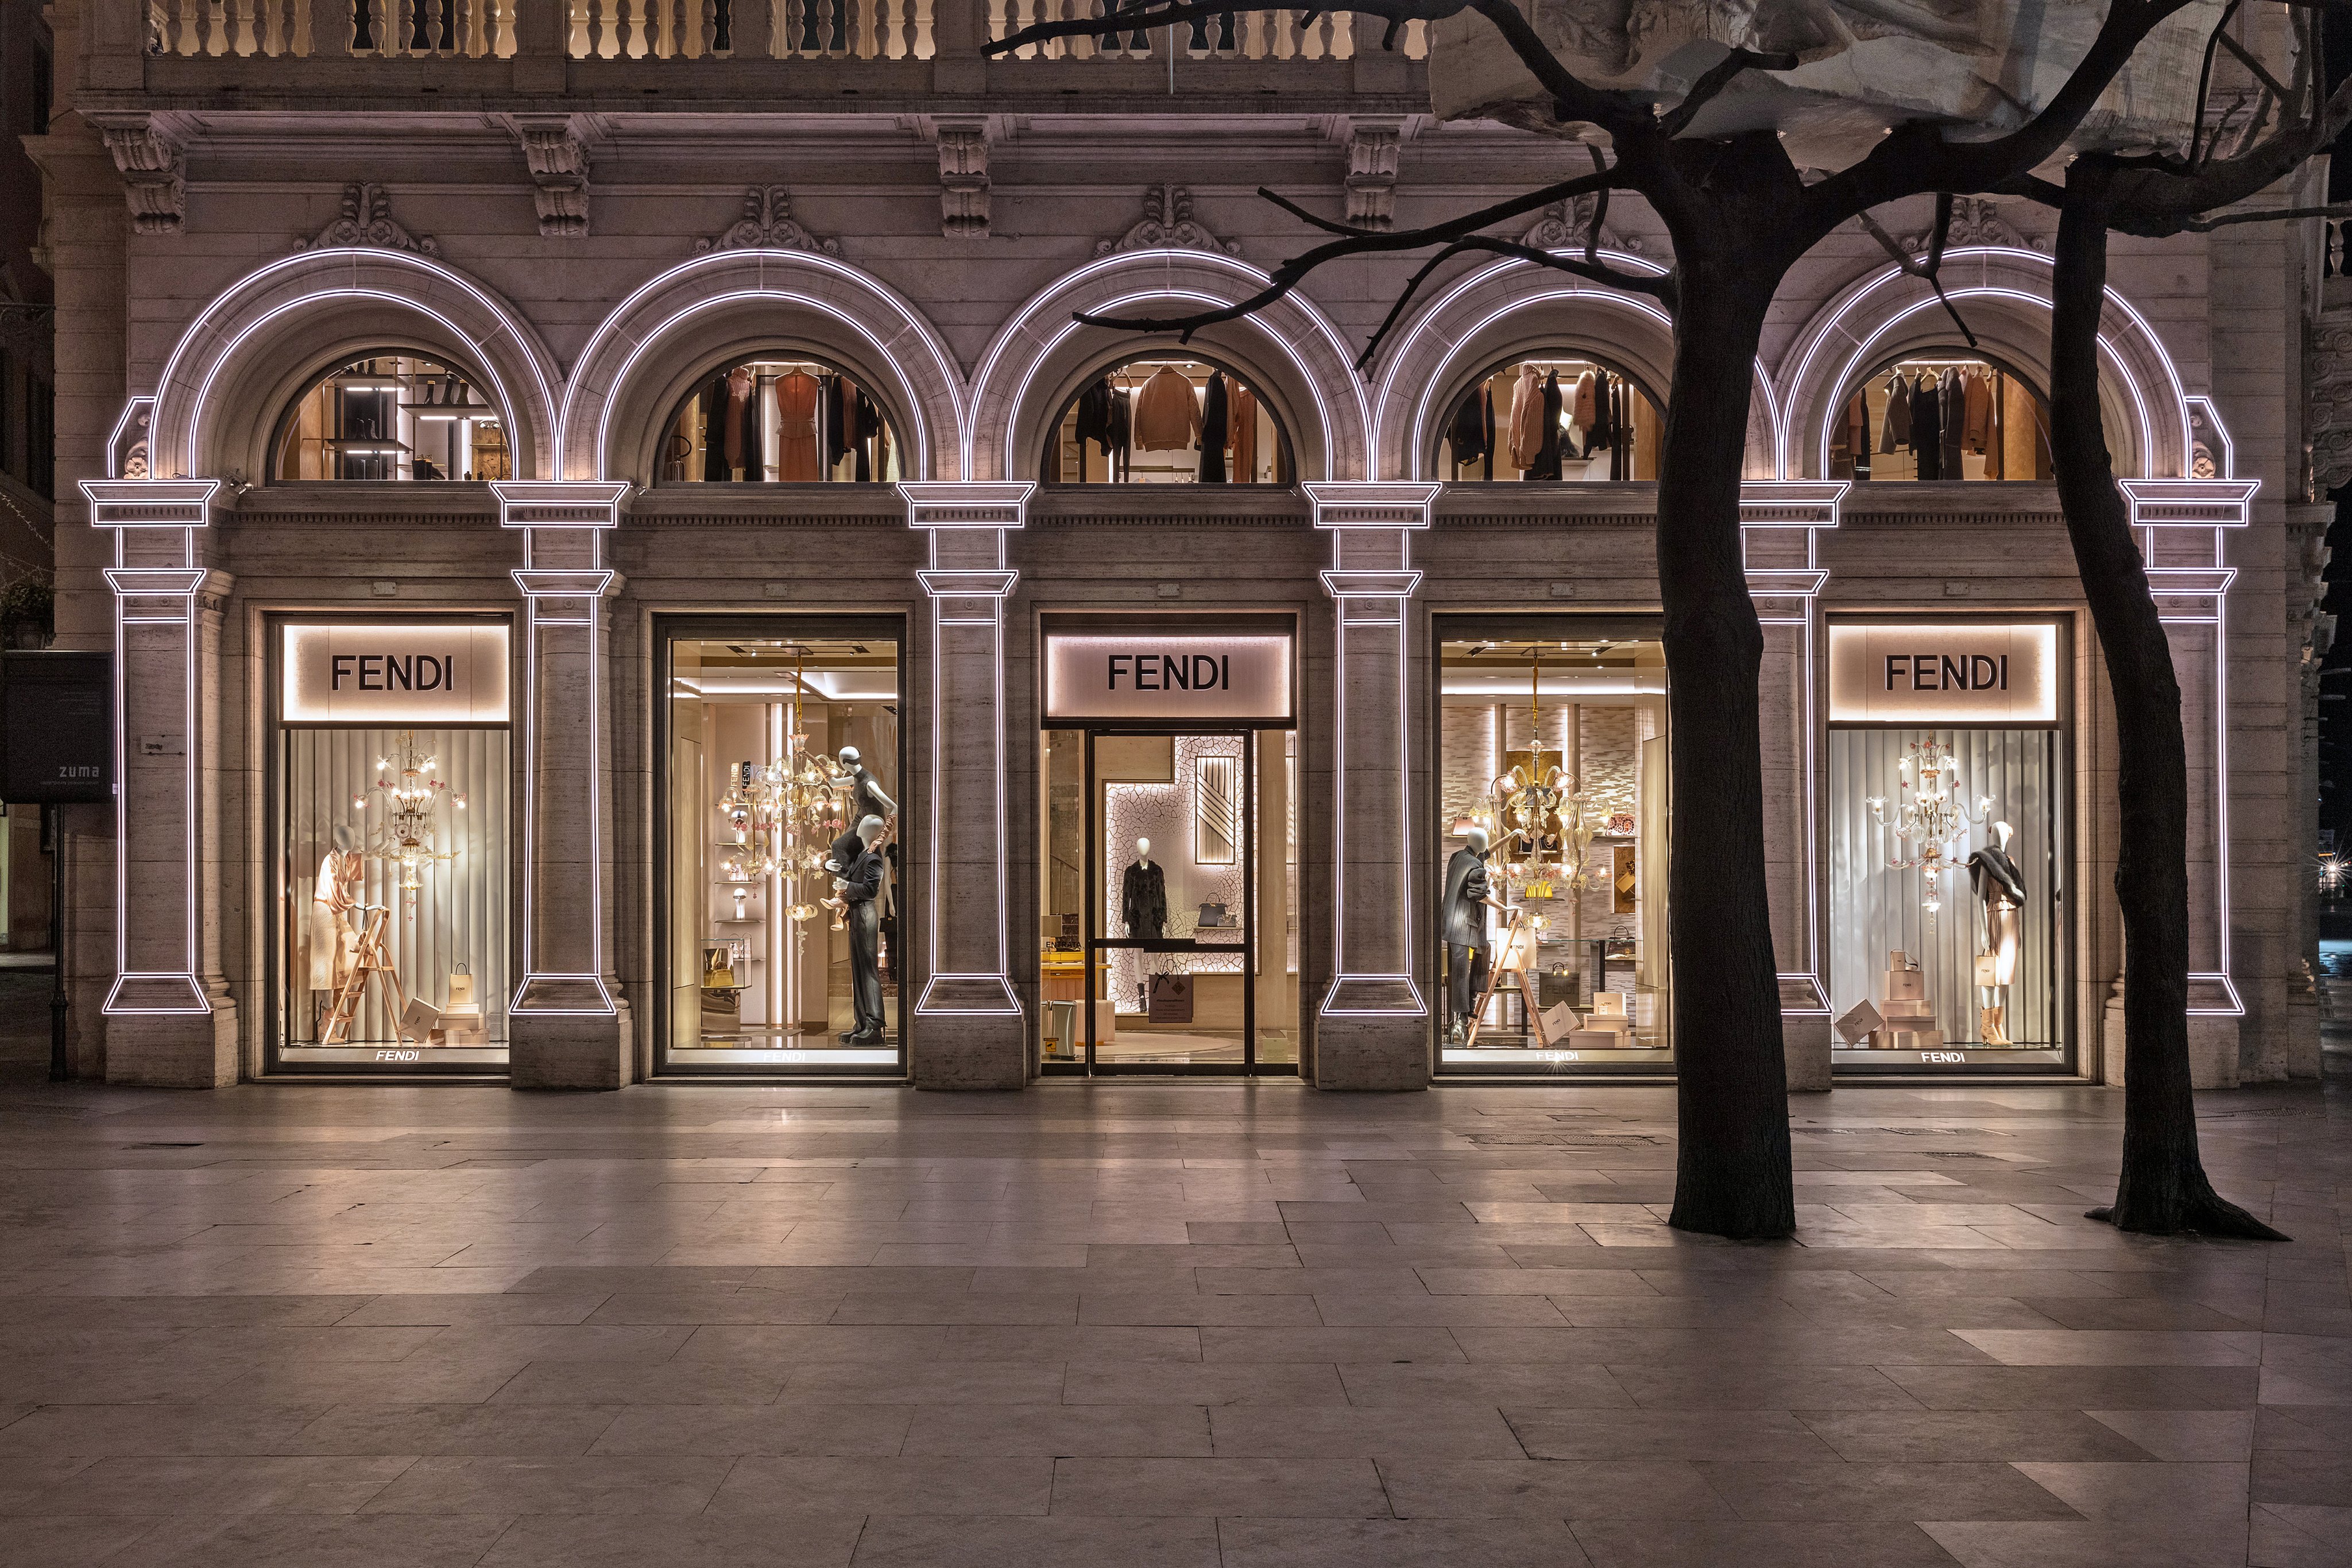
1937,413
391,414
1560,414
1171,418
779,418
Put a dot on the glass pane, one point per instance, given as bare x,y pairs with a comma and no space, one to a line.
1563,415
1168,420
392,416
394,896
1276,933
775,418
779,750
1062,895
1941,415
1171,1008
1552,797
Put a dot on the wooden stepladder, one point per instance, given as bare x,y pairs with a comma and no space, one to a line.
1515,955
369,961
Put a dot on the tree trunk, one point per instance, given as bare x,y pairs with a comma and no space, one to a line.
1732,1166
2163,1188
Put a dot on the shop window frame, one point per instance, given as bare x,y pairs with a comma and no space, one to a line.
275,461
892,423
1049,450
1874,380
1439,457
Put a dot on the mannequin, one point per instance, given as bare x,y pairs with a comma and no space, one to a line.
1995,879
1464,916
1143,896
866,797
858,884
330,937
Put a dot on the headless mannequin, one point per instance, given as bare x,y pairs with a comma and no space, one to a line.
1143,896
1996,880
330,933
1463,917
859,886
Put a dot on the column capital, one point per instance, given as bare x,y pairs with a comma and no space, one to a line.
1372,503
561,503
967,504
150,503
1792,503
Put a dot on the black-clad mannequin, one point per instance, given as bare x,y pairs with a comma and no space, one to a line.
1215,413
866,797
1468,899
859,884
1997,882
1143,896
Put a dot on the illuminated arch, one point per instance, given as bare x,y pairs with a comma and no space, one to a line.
728,304
1289,349
1515,306
267,335
2004,295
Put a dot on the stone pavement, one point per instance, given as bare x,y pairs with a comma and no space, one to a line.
1141,1325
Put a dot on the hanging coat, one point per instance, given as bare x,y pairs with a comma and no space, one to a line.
1861,432
1547,464
1468,432
1601,436
1242,434
1898,416
1928,428
1215,416
1527,418
1094,416
868,417
1979,427
1167,416
714,429
1585,411
797,461
1493,436
1954,401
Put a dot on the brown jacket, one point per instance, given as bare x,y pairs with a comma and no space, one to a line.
1167,414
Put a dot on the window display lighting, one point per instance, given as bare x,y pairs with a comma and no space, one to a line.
1932,818
1539,806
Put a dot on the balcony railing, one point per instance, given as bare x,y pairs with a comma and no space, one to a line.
718,30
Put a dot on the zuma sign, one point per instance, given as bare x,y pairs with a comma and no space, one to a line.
428,672
1953,672
1178,679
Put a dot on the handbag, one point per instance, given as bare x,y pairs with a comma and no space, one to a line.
461,989
1213,917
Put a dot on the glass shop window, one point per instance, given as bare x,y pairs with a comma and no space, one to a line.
392,414
1562,417
1169,419
1941,415
777,419
393,830
1551,871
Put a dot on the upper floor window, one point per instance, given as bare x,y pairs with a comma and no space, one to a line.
778,419
1939,414
1565,415
392,414
1168,420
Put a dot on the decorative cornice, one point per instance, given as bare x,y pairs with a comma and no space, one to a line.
1977,220
767,224
150,153
1167,224
367,220
1564,224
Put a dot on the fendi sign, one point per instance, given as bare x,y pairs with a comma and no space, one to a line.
395,673
1957,672
1180,678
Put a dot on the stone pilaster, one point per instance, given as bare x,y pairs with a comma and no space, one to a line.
968,1030
1779,524
1371,1027
170,1021
568,1024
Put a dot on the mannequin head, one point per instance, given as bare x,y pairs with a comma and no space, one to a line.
869,830
1477,840
346,840
1143,849
2003,831
849,756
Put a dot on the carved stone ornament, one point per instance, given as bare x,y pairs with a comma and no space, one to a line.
2327,401
366,221
555,151
964,181
767,224
153,167
1564,224
1167,224
1977,220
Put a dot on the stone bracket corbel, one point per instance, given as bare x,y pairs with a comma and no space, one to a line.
964,144
150,152
556,148
1373,150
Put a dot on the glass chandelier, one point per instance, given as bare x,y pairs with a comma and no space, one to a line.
1932,818
1541,810
783,813
411,796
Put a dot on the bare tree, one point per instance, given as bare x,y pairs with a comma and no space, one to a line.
2163,1188
1740,214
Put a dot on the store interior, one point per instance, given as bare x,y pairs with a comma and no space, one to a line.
1552,805
392,414
780,419
1562,415
1941,414
1168,419
778,748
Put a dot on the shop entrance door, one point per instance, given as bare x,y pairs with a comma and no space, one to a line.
1172,964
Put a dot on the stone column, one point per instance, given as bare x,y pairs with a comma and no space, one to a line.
968,1030
169,1019
1372,1026
568,1025
1779,522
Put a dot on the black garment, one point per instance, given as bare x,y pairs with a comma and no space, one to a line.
1955,405
1465,910
1992,864
1486,416
869,422
714,429
866,797
844,852
1927,429
1602,437
755,459
1548,454
1094,420
836,431
1214,416
1469,435
1143,901
1465,975
1122,427
865,880
1862,453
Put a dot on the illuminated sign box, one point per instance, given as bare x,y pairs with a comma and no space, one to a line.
1944,673
1172,677
422,673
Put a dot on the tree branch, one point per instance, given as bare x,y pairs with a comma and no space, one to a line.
2205,81
2265,216
1660,287
1932,268
1703,90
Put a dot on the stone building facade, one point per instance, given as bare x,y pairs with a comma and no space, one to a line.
580,224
